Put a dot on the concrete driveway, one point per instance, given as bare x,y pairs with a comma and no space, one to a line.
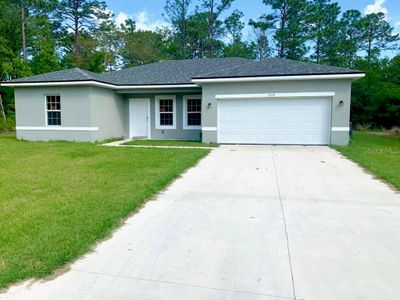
257,222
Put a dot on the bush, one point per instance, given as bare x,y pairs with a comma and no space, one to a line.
8,126
395,131
364,127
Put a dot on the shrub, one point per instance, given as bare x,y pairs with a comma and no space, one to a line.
364,127
395,131
8,126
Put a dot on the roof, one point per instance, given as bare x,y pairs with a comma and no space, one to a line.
276,67
75,74
171,71
182,72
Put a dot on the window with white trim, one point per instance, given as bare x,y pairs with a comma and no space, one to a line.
166,112
192,112
53,110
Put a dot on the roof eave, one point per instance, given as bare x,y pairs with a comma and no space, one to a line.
353,76
95,83
58,83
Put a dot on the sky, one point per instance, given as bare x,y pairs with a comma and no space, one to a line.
148,14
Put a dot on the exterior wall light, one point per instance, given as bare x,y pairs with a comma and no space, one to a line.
209,105
341,103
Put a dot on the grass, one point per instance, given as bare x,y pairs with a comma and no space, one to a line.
178,143
58,198
378,154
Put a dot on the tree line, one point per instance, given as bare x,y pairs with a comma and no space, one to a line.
38,36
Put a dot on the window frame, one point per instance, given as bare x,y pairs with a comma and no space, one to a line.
47,110
157,111
185,112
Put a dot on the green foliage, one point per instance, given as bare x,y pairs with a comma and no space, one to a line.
323,27
377,35
291,27
142,47
261,30
376,98
177,12
9,125
234,26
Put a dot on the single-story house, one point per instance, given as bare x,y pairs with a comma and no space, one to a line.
221,100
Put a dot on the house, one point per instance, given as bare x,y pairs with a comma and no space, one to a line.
221,100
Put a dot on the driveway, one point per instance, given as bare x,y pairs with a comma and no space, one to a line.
249,222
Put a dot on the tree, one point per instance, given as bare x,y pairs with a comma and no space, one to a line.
198,37
377,35
79,18
234,27
351,35
291,28
323,27
261,29
109,41
3,112
376,97
214,9
142,47
177,13
44,56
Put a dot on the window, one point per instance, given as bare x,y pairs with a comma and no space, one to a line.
192,112
165,112
53,110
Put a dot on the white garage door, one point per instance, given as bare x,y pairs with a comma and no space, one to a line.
294,121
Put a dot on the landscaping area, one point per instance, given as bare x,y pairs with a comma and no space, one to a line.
379,154
58,198
177,143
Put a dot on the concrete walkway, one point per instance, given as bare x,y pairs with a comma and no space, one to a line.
122,142
249,223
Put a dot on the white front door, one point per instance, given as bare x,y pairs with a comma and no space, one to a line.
274,121
139,118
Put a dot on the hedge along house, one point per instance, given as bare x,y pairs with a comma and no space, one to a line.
222,100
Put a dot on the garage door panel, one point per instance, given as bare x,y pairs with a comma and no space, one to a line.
274,121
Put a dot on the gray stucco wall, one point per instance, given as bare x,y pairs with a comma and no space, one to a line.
340,114
81,106
171,134
107,113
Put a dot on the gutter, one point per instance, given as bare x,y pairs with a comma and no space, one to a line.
95,83
353,76
195,82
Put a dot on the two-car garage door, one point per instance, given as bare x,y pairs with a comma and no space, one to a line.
274,121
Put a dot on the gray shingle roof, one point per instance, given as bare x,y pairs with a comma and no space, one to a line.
183,71
171,71
75,74
276,67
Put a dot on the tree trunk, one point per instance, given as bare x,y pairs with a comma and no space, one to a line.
211,30
3,113
24,52
318,51
369,51
76,26
283,15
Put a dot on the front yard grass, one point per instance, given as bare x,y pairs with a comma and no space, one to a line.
378,154
58,198
178,143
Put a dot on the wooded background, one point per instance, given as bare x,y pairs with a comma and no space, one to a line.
38,36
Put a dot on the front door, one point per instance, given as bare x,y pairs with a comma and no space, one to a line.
139,122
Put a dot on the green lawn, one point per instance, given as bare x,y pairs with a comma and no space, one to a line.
378,154
169,143
58,198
